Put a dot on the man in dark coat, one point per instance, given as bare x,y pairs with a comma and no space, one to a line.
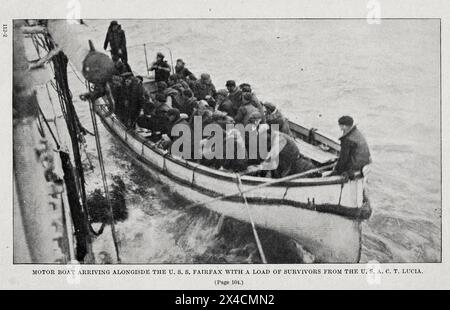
284,157
224,104
355,153
134,98
174,116
234,95
274,116
155,115
120,66
247,89
161,68
188,102
204,88
182,72
246,110
176,83
115,37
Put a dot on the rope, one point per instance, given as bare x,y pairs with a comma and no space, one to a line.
54,112
255,233
100,230
40,128
76,74
105,184
340,194
49,128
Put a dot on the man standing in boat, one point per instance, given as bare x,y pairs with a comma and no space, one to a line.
182,72
134,98
115,37
355,153
161,68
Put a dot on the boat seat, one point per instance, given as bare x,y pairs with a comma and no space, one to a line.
314,152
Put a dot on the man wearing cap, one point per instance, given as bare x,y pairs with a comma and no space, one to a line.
355,153
224,104
134,98
161,68
115,37
188,102
175,117
234,95
204,88
246,110
247,89
182,72
274,116
155,116
161,87
176,83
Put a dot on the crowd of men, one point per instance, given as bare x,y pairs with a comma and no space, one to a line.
180,96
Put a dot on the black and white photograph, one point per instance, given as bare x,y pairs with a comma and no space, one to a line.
227,141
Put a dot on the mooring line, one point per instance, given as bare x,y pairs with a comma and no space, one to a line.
255,233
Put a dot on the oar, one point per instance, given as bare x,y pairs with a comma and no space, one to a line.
262,185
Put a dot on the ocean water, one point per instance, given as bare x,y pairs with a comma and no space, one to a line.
386,76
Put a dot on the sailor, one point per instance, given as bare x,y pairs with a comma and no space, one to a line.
222,119
253,151
176,83
245,110
115,37
234,95
284,157
120,66
204,87
155,116
161,68
274,116
355,153
161,87
246,88
204,110
239,161
118,94
223,103
188,102
234,156
134,98
182,72
173,98
174,118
